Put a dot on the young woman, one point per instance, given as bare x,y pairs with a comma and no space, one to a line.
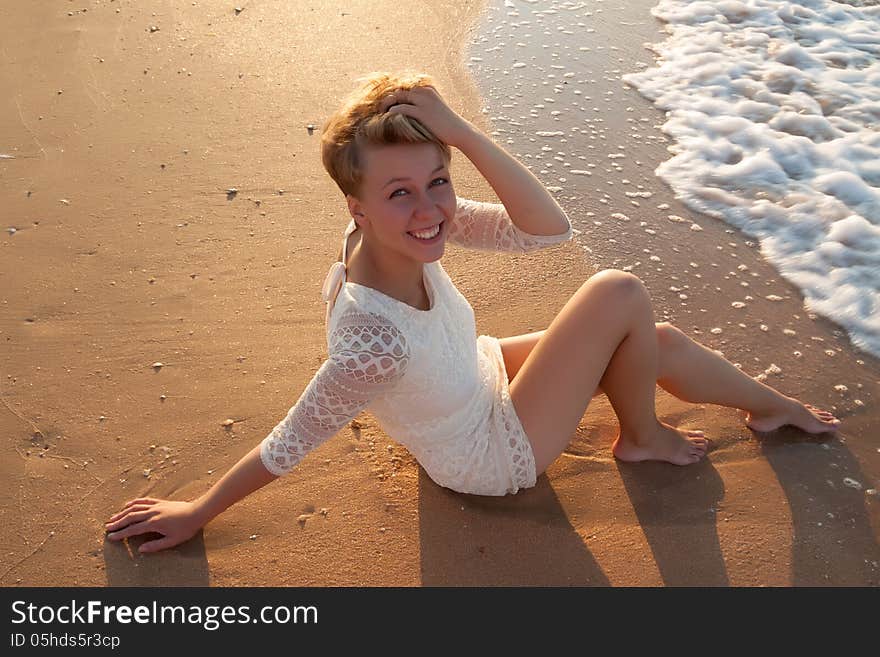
481,415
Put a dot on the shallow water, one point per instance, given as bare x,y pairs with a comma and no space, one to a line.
775,109
772,109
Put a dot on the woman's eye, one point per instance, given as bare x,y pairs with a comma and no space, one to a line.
403,190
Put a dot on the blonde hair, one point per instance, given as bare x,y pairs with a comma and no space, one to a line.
359,123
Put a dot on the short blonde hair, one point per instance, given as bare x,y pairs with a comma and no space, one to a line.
358,123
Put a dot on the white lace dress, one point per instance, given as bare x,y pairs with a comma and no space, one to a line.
433,385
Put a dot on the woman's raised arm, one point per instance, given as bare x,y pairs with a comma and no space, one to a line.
530,206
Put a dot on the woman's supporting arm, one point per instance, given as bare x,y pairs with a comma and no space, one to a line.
179,521
360,366
246,476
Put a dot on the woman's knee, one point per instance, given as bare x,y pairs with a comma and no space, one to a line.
670,337
670,343
617,286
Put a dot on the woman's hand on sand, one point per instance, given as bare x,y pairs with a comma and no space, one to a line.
176,521
426,105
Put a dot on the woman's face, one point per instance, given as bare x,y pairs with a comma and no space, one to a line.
406,189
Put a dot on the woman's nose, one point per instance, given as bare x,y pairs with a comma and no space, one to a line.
426,207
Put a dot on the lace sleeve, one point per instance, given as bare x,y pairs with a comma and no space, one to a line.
488,227
367,356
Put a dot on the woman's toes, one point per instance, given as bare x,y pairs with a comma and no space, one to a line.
826,416
699,448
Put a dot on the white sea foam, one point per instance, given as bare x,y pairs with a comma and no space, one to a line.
775,111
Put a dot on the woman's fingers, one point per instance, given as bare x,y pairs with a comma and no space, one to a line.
141,502
388,101
129,519
394,104
127,510
123,513
132,530
403,96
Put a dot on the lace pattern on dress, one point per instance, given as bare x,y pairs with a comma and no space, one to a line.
488,227
452,416
368,356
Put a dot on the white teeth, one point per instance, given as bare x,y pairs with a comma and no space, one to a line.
427,234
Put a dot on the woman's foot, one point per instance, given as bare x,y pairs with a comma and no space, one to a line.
666,443
804,416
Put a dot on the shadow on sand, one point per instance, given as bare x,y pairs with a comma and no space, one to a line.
834,542
183,565
496,541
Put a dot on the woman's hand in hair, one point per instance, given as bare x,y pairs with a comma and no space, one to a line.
427,106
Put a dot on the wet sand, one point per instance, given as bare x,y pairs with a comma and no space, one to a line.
128,251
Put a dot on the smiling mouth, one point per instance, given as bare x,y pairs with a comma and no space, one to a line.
427,234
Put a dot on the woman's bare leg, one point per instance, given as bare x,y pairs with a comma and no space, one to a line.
697,374
604,334
630,383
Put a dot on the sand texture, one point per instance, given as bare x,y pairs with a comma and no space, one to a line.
129,251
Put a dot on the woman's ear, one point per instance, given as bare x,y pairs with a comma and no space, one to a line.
355,208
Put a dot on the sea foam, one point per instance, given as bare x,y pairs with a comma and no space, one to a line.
775,112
